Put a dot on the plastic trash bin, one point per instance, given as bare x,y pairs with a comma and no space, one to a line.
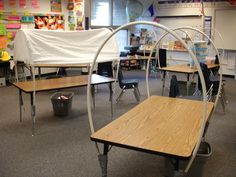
197,168
62,103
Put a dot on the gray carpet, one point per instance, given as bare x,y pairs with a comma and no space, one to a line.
62,147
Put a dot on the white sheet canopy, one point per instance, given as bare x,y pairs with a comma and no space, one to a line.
34,46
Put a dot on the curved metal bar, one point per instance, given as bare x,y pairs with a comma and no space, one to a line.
191,54
158,59
196,30
204,116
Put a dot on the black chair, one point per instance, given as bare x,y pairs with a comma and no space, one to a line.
174,87
215,77
197,95
162,59
214,82
126,84
105,69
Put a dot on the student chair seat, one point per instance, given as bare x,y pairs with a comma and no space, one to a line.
127,84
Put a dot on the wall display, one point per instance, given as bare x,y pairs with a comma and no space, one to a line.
22,3
75,14
3,42
35,4
3,30
49,22
134,9
1,4
55,5
79,11
12,3
70,5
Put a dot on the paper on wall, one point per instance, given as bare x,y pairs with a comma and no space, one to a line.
231,57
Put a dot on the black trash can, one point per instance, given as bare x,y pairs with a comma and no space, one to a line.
62,103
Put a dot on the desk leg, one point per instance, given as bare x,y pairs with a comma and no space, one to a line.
32,113
103,160
163,81
39,72
177,171
20,104
111,98
93,95
188,84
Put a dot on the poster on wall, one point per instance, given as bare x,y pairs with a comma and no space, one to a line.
55,5
35,4
1,4
79,11
49,22
12,3
22,3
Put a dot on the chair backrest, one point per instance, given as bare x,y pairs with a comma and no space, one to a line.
217,59
162,58
215,70
120,78
206,75
105,69
174,87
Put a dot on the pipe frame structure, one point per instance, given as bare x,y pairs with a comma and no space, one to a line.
218,93
191,54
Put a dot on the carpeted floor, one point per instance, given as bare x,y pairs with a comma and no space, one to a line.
62,147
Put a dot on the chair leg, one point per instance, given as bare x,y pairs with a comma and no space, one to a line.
136,94
222,103
224,95
120,95
138,91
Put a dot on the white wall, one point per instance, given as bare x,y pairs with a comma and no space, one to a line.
229,62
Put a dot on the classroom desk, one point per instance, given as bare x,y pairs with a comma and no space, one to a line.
136,59
182,68
58,83
39,66
159,125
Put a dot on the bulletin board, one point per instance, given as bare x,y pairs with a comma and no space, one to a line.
225,23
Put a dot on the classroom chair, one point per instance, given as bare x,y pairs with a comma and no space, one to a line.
127,84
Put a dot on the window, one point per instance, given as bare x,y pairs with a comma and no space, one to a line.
108,12
100,13
119,12
122,39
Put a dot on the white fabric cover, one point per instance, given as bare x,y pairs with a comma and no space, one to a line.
34,46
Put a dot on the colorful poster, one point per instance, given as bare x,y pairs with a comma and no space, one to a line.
1,4
3,42
12,3
55,5
35,4
79,11
22,3
49,22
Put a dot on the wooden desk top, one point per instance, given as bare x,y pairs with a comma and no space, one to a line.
60,83
160,125
184,68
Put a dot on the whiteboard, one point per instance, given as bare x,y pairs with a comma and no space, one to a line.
175,22
225,23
